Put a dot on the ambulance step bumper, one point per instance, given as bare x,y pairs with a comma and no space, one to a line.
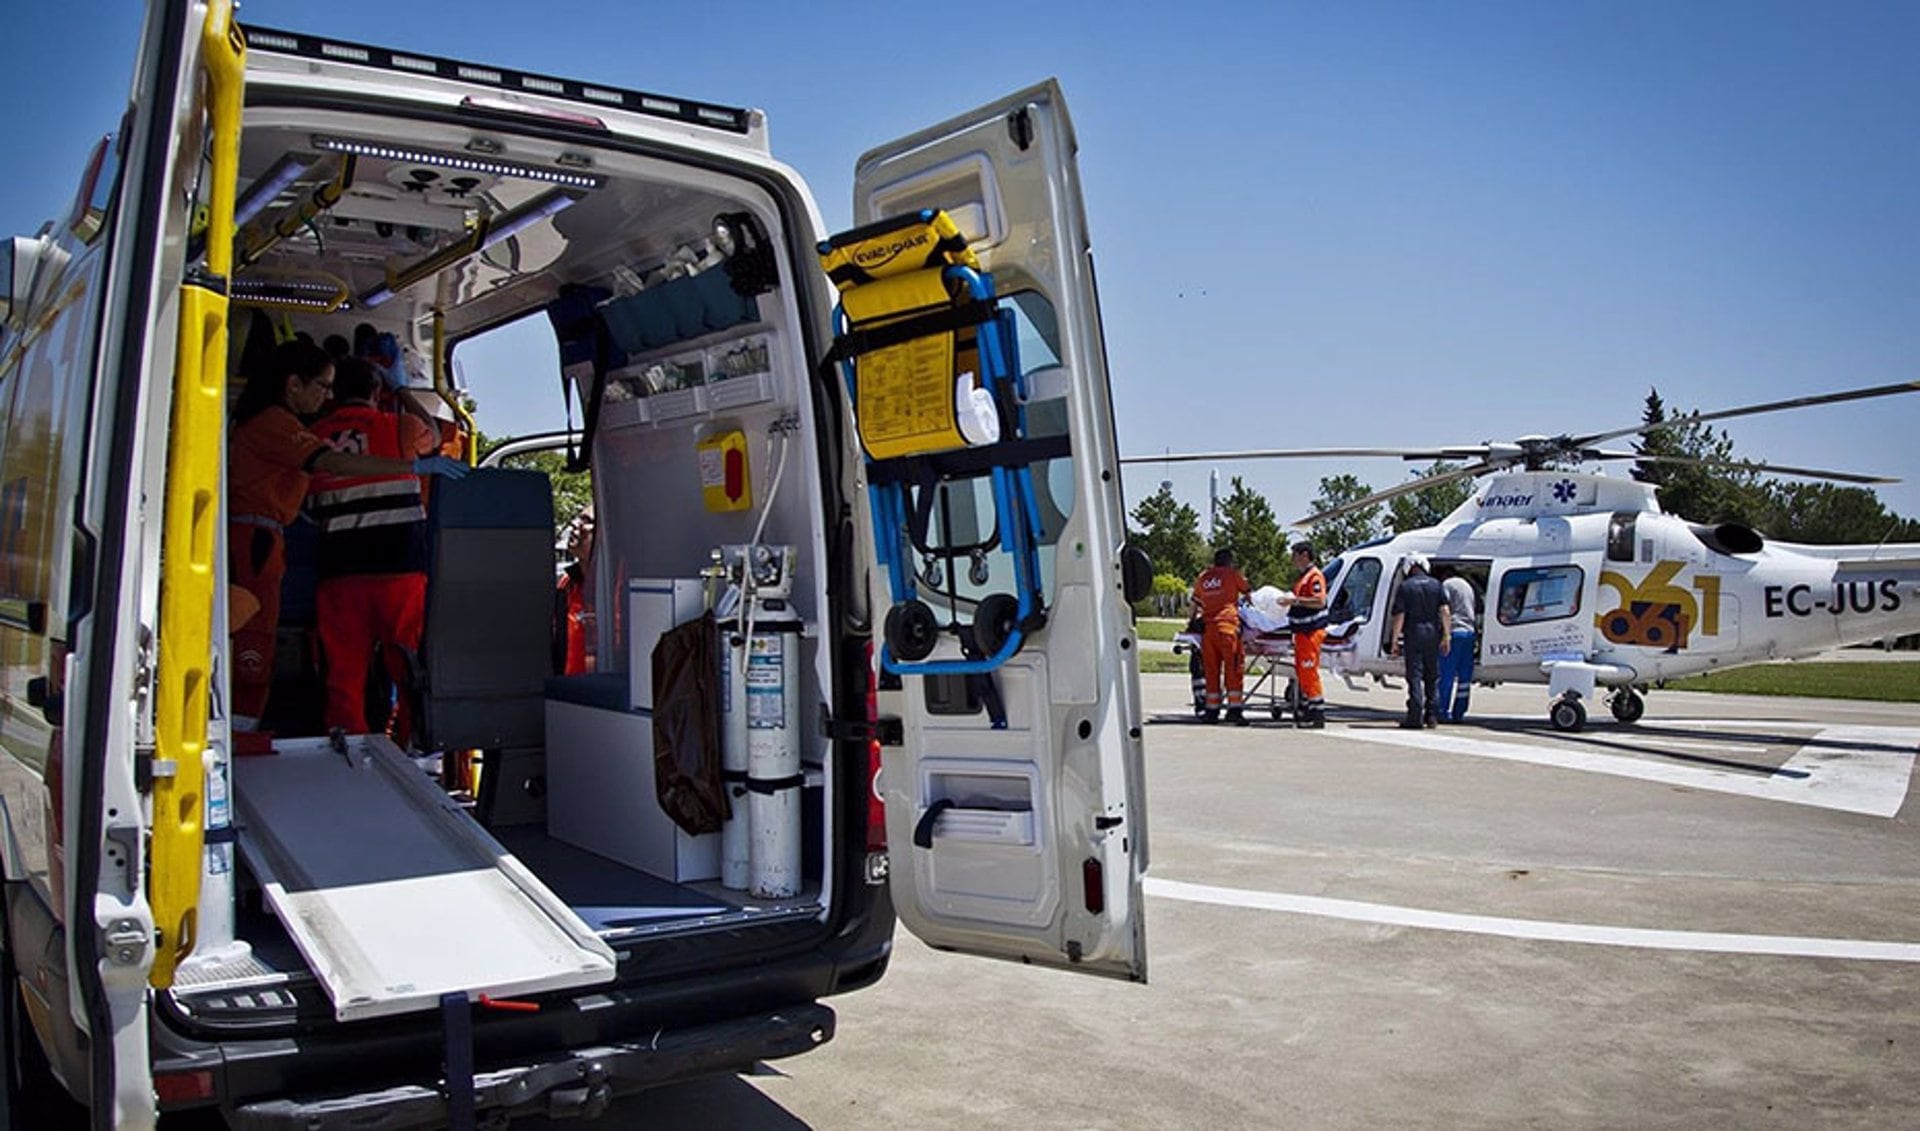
582,1083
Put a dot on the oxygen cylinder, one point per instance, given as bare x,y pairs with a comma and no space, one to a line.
734,835
774,775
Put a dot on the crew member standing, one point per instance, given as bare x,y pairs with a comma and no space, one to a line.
273,459
573,601
1456,669
1420,612
1218,591
1307,617
373,545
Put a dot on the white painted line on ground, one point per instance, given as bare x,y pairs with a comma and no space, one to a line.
1868,778
1713,942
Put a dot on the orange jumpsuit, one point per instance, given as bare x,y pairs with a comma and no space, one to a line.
1218,590
268,473
373,561
1309,627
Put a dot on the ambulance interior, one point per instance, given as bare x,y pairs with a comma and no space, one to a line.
678,332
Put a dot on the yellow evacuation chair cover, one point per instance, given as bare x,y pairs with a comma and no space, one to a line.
909,397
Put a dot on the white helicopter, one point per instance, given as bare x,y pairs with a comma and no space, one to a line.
1585,583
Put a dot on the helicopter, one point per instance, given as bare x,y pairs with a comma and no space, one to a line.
1587,586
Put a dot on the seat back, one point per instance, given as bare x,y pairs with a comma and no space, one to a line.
487,650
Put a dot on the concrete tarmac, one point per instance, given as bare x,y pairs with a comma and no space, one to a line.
1718,820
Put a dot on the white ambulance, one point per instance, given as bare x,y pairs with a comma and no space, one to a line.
310,931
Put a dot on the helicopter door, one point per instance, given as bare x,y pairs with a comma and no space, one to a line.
1539,609
1015,804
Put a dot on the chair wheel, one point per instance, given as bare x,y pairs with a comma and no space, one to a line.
912,630
994,622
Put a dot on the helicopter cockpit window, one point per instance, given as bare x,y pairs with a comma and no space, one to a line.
1354,599
1540,593
1620,536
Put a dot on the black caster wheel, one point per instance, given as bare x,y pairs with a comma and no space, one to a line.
913,630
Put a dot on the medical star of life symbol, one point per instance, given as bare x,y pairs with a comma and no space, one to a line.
1563,491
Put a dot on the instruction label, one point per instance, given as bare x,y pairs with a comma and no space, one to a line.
766,683
906,399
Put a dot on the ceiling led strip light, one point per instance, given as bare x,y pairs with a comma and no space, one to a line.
462,161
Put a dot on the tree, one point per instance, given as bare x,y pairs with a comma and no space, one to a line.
1700,493
1335,535
1249,529
1825,513
1169,531
1429,504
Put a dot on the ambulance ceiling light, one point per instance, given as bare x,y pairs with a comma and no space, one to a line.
490,165
276,180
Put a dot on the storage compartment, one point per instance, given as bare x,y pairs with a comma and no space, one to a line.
601,794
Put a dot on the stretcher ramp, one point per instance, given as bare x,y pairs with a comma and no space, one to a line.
392,893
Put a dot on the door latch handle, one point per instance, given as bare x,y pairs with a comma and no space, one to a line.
923,830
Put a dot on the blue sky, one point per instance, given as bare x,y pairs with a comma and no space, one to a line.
1316,224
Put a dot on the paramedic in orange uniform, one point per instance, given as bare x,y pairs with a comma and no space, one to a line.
1218,591
271,458
574,604
1307,619
373,542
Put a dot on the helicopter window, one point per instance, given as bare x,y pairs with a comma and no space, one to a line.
1540,593
1354,600
1620,536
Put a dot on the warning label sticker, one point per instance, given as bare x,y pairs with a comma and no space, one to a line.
766,684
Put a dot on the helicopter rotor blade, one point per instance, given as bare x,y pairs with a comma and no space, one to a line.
1756,467
1307,453
1751,410
1409,487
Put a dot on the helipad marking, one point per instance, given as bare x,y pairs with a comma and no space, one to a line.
1855,769
1716,942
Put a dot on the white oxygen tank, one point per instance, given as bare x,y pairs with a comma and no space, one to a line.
734,835
774,774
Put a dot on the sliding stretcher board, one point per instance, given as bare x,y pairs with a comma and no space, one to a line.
393,894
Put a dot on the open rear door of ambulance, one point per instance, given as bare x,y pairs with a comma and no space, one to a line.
131,908
1015,803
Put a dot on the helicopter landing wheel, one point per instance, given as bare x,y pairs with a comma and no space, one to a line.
1567,714
1628,705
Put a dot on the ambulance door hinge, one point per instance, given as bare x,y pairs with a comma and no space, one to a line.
887,730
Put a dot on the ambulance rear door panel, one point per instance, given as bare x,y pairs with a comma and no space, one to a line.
1032,836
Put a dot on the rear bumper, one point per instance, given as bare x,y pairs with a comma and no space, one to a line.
582,1082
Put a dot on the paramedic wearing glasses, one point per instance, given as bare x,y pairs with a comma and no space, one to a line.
271,460
1218,591
373,541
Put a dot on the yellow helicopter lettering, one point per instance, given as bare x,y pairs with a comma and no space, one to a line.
1658,613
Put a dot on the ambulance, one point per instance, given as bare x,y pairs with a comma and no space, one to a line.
917,696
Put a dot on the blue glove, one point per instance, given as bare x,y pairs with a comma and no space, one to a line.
444,466
386,361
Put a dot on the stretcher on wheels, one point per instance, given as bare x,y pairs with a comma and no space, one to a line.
932,368
1267,645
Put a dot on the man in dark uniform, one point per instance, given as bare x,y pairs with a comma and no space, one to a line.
1420,612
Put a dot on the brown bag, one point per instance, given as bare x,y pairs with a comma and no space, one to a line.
686,726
